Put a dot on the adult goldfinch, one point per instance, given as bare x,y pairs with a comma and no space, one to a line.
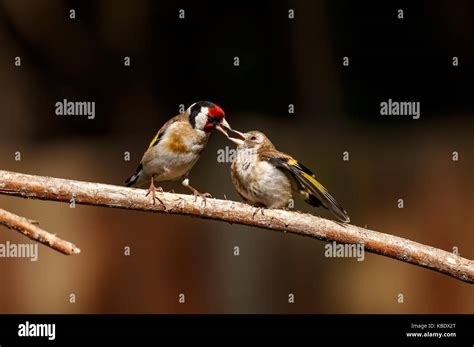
177,146
266,177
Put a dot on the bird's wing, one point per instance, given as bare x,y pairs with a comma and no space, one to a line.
161,132
308,181
159,135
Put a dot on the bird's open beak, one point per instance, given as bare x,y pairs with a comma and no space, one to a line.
240,138
224,127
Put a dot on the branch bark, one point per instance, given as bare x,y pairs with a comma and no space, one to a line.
89,193
34,232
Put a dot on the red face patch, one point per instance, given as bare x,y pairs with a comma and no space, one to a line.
216,112
215,115
209,126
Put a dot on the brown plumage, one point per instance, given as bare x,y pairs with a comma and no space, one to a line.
177,147
267,177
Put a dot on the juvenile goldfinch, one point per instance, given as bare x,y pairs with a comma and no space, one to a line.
266,177
177,146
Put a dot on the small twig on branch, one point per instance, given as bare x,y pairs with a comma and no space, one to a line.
33,231
88,193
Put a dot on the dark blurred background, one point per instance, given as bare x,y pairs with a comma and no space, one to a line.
282,61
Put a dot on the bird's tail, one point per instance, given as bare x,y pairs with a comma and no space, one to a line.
133,180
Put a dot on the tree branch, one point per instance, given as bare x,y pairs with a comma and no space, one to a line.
34,232
88,193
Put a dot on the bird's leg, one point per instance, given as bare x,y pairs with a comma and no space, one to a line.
195,191
153,191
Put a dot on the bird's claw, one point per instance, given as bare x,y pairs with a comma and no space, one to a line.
152,190
203,196
257,210
178,204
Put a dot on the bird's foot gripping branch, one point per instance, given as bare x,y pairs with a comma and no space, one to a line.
89,193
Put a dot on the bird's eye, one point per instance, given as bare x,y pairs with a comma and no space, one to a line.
253,138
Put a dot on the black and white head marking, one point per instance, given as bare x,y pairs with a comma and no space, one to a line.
198,114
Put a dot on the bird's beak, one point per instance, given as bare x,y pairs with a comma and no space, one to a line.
223,127
240,138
